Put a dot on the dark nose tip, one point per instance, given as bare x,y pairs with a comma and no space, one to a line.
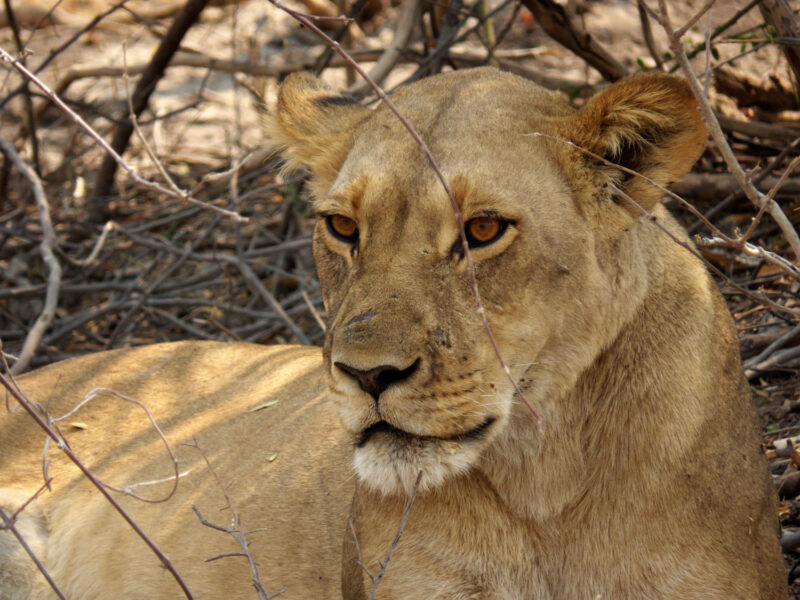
375,381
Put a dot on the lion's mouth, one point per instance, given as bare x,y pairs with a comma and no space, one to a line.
384,427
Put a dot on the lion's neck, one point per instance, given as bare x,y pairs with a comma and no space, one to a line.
609,415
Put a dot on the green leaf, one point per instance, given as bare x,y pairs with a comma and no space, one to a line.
714,53
641,64
264,405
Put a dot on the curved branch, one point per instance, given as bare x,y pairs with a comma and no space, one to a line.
402,37
46,247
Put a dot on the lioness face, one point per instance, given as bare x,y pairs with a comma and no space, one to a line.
410,366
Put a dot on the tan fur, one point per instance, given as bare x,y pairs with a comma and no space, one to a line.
643,478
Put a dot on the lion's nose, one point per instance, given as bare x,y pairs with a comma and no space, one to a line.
375,381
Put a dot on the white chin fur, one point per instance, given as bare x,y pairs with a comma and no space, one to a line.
393,470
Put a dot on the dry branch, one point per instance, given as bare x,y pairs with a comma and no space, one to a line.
756,197
236,531
553,18
12,22
5,56
384,564
758,129
47,248
34,411
772,93
717,185
187,17
409,16
7,523
780,15
72,39
288,61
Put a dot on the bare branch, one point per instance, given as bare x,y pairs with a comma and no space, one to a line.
409,16
183,21
33,411
8,524
553,18
647,33
256,284
47,248
12,21
94,393
690,23
385,564
156,187
107,228
236,530
756,197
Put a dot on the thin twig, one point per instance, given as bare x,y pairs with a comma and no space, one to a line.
788,267
64,447
751,363
647,33
720,29
256,284
107,228
8,524
756,197
12,21
184,19
139,133
313,310
770,195
408,18
47,248
151,185
385,564
236,530
94,393
690,23
72,39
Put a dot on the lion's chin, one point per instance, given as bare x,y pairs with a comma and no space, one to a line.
389,460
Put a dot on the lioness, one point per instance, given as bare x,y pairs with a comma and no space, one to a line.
641,479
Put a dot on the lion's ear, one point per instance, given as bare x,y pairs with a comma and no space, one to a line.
648,123
313,127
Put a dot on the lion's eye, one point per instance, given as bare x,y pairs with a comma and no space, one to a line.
484,230
342,228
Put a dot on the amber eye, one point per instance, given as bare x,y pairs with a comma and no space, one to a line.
342,228
484,230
